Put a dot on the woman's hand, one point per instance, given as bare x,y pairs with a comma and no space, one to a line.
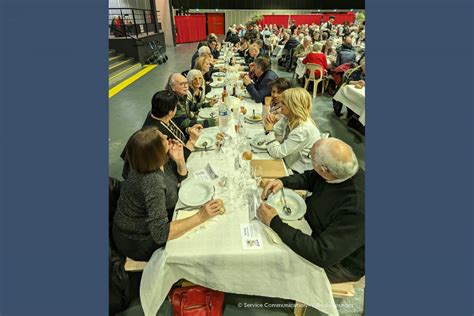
270,119
176,152
271,187
194,133
209,210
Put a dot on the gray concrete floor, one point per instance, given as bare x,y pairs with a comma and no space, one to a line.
127,111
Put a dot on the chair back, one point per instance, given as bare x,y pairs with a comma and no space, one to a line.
312,69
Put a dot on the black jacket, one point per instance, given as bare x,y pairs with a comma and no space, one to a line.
336,214
261,88
345,54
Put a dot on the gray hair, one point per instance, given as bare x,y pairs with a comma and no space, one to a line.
324,156
308,39
193,73
317,47
204,50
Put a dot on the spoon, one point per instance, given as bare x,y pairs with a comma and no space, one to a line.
286,208
205,146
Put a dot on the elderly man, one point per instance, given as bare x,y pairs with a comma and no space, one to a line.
202,51
304,48
335,211
261,88
186,112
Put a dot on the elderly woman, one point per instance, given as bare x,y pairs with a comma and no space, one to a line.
198,90
316,57
204,65
294,135
142,222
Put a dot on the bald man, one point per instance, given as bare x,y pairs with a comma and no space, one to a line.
335,211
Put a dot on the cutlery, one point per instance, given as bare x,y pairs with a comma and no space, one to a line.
286,208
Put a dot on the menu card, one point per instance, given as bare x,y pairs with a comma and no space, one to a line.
251,236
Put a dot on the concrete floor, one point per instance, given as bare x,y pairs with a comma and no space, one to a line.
128,109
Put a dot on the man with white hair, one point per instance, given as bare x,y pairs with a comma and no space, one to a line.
335,211
304,48
185,116
202,51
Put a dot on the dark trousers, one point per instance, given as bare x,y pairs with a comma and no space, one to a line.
139,250
338,274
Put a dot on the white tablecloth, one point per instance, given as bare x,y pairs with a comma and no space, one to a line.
354,99
212,254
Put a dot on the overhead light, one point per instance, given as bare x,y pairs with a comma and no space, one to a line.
352,10
319,10
334,10
197,10
217,9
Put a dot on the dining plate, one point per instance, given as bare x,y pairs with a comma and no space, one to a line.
251,118
217,84
258,139
208,113
203,139
294,201
218,74
214,93
195,192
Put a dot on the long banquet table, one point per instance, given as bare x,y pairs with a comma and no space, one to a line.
213,255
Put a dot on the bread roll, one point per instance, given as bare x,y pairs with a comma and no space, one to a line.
222,208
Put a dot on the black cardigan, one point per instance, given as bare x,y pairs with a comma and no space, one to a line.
336,214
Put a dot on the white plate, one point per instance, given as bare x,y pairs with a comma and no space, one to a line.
219,65
217,84
259,138
219,74
210,139
214,93
195,192
295,202
207,113
250,117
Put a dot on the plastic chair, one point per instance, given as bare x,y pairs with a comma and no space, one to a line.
312,68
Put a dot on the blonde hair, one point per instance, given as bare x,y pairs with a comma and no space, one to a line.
200,62
299,103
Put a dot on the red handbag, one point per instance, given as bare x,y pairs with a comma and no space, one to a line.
196,301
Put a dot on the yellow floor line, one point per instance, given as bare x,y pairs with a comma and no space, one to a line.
130,80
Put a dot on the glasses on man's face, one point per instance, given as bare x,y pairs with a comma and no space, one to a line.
183,84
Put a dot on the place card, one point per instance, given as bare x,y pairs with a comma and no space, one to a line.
252,205
251,236
211,172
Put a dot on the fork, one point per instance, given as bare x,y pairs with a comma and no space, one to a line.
286,208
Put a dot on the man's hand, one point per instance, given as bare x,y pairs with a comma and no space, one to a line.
246,80
271,187
266,213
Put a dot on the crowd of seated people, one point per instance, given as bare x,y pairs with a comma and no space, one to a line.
155,156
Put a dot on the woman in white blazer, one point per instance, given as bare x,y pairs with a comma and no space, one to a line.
294,135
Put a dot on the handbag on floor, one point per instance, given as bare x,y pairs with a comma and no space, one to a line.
196,300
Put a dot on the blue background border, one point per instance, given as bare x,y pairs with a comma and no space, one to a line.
53,176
